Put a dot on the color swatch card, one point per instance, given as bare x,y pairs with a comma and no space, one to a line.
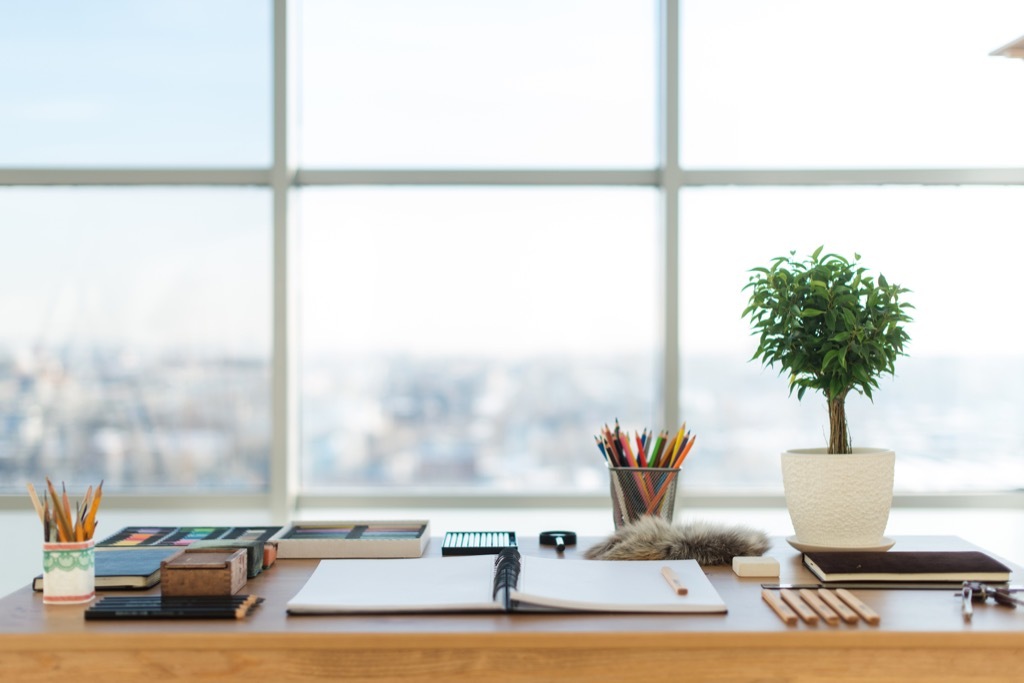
183,536
354,539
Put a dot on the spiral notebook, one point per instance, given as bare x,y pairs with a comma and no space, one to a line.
481,583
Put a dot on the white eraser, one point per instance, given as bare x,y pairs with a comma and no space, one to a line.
755,566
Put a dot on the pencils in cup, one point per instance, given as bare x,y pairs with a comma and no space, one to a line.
60,523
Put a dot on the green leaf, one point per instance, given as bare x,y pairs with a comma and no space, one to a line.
825,322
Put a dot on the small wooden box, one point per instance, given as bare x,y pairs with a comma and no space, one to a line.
204,571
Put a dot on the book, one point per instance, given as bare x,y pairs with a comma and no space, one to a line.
896,566
506,582
354,539
126,568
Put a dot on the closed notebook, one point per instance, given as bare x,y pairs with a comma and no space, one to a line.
950,566
476,583
126,568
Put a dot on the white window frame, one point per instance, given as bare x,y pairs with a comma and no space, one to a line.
283,497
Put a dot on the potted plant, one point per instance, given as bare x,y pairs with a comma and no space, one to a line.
834,328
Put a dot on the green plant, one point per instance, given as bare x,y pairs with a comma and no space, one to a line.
831,325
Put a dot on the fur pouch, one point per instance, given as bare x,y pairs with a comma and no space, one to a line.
652,538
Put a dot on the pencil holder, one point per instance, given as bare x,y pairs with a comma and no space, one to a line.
69,572
639,491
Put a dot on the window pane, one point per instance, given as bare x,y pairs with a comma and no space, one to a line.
136,339
956,397
536,83
875,83
473,337
121,83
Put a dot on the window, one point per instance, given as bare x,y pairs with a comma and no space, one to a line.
952,397
137,348
157,84
487,248
870,84
458,337
456,84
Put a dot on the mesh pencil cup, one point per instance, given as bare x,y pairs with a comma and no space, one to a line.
639,491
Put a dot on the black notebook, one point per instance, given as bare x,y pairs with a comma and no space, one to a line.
952,566
126,568
505,582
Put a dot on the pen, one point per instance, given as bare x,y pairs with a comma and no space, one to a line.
787,615
673,581
966,596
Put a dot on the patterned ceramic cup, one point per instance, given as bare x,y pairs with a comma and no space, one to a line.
69,572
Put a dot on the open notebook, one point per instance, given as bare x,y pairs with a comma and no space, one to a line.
472,584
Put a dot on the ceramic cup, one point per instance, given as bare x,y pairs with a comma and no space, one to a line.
69,572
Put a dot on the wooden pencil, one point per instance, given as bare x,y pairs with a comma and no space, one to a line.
787,615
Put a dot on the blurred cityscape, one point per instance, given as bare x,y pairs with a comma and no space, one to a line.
175,422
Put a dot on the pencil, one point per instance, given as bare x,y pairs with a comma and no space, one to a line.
857,605
685,451
659,443
787,615
678,443
641,457
824,611
90,520
845,613
63,523
35,502
798,605
673,581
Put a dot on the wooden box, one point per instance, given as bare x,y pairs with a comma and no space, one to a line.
204,571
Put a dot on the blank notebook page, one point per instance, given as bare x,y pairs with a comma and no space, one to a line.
616,586
399,585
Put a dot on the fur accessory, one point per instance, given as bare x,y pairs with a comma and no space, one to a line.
653,538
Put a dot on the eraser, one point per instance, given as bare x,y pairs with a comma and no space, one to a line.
755,566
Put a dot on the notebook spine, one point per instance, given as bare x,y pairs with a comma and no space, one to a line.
507,564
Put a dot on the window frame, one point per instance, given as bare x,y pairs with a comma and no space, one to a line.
283,497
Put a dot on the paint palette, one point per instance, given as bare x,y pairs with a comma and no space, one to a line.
354,539
184,536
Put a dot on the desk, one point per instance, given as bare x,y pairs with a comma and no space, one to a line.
922,637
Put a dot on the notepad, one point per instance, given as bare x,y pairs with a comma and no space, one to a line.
952,566
126,568
470,583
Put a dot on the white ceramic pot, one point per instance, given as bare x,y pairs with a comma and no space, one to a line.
840,501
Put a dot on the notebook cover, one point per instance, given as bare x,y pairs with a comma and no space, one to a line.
905,566
126,567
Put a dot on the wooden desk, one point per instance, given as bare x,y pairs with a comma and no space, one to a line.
922,637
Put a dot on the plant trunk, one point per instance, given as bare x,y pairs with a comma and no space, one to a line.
839,435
